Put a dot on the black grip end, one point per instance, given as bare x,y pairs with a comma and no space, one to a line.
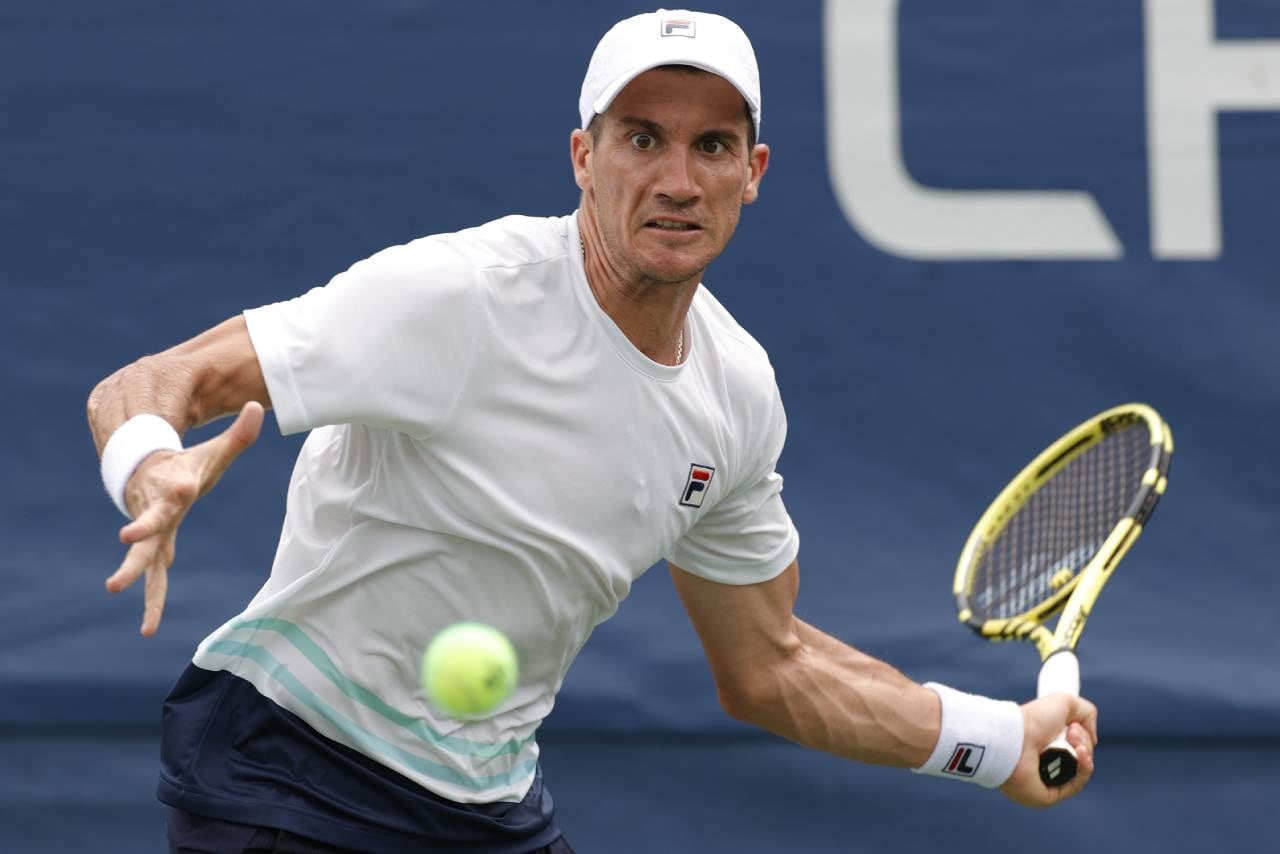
1058,767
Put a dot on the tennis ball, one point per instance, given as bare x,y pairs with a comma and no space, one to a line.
468,669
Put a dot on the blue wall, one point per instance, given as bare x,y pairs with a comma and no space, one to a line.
168,165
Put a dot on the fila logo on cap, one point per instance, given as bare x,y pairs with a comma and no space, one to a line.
679,27
695,488
965,760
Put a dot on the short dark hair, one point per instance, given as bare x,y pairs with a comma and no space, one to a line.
594,125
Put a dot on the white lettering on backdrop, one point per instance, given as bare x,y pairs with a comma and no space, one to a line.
1190,77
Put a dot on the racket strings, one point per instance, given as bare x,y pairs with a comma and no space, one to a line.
1061,526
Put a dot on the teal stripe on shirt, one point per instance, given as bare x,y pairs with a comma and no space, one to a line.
368,742
416,726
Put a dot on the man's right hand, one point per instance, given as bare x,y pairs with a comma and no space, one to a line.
1043,720
159,494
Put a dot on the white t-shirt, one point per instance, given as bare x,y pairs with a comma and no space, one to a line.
487,445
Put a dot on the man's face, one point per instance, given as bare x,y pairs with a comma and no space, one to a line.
667,177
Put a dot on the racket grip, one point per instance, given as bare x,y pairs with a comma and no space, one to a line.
1060,674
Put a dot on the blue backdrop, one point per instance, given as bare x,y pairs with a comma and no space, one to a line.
982,222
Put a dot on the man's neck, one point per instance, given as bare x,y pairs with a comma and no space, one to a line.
651,314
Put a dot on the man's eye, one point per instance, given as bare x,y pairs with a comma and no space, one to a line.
712,146
642,141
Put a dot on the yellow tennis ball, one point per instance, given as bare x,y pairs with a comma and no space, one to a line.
468,669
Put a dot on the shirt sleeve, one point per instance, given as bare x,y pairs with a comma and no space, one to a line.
387,343
748,537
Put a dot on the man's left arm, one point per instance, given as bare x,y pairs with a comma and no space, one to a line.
775,671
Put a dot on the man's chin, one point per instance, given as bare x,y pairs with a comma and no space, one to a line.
675,267
671,274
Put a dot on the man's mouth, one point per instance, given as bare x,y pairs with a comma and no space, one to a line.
672,225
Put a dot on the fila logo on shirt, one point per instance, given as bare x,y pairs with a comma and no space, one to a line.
965,760
695,488
679,27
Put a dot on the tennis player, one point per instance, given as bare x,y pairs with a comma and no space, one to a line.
509,424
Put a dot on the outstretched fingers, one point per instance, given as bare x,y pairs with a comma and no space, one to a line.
158,516
136,561
150,557
167,485
156,589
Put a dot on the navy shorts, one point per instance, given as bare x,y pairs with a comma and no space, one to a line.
230,754
196,834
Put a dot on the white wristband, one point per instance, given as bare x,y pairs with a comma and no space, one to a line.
980,741
131,443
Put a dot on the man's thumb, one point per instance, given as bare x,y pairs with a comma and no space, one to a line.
232,442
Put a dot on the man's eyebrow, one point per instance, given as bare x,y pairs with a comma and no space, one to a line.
729,133
636,121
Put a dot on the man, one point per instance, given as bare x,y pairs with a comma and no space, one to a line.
464,394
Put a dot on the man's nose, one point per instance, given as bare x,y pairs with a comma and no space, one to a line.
677,180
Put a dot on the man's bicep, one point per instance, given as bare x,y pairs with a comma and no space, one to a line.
745,629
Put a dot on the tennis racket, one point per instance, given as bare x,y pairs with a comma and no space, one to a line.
1052,538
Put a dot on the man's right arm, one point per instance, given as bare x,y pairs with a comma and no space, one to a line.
214,374
774,670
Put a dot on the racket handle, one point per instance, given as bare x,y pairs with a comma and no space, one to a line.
1060,674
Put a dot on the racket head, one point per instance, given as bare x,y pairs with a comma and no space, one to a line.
1081,501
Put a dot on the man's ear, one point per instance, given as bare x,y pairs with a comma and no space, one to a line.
580,156
757,163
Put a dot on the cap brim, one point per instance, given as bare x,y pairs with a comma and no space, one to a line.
611,91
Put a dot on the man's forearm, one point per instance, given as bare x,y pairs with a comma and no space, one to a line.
831,697
211,375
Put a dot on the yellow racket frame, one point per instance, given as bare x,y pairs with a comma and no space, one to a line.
1077,594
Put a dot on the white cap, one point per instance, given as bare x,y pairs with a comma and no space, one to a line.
669,37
